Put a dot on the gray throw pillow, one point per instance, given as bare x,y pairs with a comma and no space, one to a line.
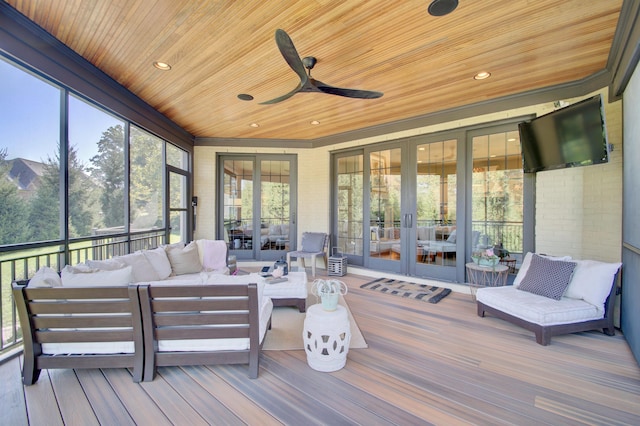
548,278
313,242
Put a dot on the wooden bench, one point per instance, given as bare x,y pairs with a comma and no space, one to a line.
202,325
89,327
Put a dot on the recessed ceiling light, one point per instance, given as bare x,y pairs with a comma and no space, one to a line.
162,66
254,125
315,122
245,97
482,75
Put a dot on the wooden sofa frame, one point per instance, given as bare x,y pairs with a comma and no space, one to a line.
544,333
68,315
137,314
182,312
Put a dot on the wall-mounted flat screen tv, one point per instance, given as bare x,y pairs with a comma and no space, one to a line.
572,136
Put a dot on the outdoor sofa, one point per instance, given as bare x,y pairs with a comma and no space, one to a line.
141,311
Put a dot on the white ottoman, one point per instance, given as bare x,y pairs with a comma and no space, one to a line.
326,336
292,292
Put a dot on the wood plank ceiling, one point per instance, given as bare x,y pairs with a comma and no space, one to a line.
423,64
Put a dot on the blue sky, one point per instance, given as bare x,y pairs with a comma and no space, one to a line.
29,118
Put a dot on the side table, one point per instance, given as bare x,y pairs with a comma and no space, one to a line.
485,276
326,336
510,262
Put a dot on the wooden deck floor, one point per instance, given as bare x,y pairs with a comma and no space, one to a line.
426,364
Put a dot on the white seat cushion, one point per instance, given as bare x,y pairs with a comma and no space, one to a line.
538,309
202,345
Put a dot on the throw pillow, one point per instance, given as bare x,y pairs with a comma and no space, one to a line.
106,265
548,278
592,281
522,272
45,277
212,254
313,242
184,260
83,277
159,260
142,269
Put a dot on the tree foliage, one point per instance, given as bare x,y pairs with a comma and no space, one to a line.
109,171
13,209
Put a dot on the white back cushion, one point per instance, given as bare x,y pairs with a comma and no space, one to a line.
591,281
141,268
45,277
159,260
84,276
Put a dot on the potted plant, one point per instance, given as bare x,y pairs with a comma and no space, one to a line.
329,292
485,257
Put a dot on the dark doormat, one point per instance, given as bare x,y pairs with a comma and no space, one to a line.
423,292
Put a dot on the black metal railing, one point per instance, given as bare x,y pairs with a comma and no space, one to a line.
20,262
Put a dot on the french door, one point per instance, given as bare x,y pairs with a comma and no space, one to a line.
412,208
257,204
179,221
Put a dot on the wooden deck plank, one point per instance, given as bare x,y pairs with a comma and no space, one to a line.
176,403
426,364
106,404
363,406
230,404
203,390
74,405
136,401
12,402
42,407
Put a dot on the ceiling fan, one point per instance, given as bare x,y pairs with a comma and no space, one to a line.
308,84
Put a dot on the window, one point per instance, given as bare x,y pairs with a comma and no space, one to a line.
145,192
29,157
96,171
497,192
350,173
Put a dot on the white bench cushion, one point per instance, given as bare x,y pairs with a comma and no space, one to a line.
538,309
202,345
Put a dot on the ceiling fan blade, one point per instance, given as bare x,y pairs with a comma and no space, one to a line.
348,93
283,97
290,54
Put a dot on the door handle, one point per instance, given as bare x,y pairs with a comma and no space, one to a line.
408,220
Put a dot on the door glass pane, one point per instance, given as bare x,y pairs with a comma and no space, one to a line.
178,207
145,182
350,204
275,178
238,203
436,203
384,214
497,195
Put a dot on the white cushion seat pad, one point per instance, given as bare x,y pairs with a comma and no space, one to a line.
206,345
97,348
538,309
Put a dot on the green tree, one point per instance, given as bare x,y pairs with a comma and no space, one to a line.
108,170
13,209
44,209
145,192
